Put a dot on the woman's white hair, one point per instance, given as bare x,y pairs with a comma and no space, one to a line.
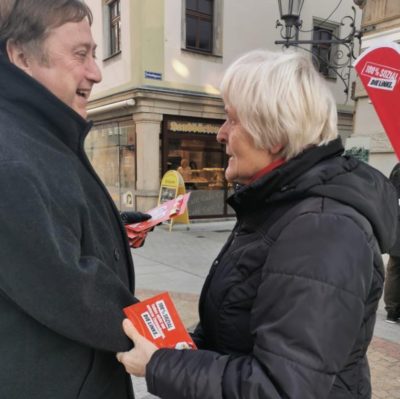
281,99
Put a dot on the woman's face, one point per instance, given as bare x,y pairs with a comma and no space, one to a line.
245,160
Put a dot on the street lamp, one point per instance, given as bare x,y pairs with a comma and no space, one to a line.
340,50
289,11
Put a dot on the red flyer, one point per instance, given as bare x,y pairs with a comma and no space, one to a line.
379,70
167,210
157,319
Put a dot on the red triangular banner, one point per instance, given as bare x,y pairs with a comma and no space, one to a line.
379,70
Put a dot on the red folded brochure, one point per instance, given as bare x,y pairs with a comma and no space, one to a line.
167,210
158,320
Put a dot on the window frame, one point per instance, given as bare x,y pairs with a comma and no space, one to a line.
217,31
200,16
112,28
334,30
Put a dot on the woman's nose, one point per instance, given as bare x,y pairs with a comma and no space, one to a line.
222,134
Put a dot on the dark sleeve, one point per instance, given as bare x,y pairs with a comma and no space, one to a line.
198,336
44,274
395,178
305,319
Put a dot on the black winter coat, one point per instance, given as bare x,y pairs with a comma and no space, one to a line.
65,266
395,179
288,308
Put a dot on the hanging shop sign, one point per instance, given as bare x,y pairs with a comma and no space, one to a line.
193,127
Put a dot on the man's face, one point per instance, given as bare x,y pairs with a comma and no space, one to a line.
70,69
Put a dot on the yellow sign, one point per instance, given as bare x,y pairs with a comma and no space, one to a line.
172,185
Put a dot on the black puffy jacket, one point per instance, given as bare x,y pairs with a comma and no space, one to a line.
395,179
288,308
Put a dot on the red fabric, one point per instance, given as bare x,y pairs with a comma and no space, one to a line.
267,169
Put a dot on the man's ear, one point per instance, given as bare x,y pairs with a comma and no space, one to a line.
18,55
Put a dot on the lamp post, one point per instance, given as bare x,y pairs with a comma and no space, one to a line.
341,49
289,11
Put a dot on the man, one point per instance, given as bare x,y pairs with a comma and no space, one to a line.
66,270
392,282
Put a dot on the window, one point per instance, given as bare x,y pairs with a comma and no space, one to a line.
325,53
190,147
199,25
111,149
114,27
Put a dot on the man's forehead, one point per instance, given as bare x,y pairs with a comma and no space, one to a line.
74,34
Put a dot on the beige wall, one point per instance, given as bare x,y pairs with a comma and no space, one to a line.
246,25
117,70
151,40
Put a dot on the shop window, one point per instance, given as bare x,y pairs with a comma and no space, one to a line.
112,23
325,54
111,149
191,148
202,26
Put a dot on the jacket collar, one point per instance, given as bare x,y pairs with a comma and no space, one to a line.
31,101
279,179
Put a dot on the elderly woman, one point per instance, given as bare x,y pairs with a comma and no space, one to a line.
288,308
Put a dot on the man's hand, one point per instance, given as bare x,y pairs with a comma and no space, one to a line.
135,360
134,217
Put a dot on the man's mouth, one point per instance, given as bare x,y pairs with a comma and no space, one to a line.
83,93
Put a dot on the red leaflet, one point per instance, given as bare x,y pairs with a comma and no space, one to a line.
158,320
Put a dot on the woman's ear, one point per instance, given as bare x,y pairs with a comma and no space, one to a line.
276,149
18,55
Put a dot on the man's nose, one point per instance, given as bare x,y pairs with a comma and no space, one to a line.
93,72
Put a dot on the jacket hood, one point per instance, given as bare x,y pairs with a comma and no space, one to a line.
323,171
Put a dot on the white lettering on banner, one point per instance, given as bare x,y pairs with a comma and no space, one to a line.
370,69
381,71
165,315
154,331
382,84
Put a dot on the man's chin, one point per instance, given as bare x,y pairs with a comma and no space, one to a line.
81,112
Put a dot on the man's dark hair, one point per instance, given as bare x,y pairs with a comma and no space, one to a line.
28,22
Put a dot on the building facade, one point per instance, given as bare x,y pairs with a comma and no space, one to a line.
381,23
158,106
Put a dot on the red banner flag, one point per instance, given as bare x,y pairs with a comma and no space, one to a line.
379,70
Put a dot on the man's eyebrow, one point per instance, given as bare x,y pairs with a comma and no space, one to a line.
88,46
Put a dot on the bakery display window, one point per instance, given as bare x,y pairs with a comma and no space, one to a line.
191,148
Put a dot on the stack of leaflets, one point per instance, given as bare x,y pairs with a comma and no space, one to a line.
157,320
137,232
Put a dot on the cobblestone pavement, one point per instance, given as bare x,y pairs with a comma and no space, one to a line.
178,262
384,360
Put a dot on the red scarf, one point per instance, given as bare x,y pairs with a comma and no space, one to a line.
267,169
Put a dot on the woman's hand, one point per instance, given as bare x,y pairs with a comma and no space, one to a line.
135,360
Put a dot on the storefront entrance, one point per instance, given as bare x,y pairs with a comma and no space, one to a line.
190,147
